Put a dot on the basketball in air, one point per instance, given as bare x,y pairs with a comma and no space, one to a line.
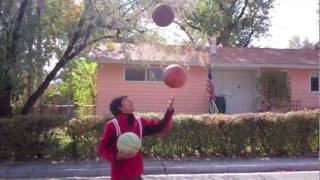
163,15
174,76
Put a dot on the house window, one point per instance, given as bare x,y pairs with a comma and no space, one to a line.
135,74
154,74
143,74
314,82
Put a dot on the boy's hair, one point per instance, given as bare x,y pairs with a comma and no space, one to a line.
116,104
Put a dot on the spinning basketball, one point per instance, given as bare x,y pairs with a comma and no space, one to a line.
174,76
163,15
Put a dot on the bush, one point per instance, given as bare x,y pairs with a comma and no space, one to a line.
249,135
85,133
26,137
245,135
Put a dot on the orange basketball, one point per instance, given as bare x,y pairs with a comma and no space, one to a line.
174,76
163,15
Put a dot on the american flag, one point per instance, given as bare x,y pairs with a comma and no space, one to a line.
210,86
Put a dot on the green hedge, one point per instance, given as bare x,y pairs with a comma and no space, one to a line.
245,135
250,135
26,137
85,133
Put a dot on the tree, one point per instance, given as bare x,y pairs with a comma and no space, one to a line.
232,22
63,30
295,43
32,55
8,52
81,79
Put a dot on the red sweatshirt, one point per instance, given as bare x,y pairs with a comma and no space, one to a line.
132,167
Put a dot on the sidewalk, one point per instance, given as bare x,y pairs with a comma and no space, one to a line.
41,169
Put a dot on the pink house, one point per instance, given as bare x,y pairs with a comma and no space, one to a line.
136,71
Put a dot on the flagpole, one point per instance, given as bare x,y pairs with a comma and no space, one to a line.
212,52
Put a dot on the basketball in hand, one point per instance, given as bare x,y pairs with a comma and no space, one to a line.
129,144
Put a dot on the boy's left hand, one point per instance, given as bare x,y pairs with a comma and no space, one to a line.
171,102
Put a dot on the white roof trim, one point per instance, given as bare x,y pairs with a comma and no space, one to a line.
252,65
122,61
219,65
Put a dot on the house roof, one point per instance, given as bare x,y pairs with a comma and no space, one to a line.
126,53
267,56
256,57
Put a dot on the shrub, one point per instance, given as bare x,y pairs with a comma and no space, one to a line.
85,133
253,135
245,135
26,137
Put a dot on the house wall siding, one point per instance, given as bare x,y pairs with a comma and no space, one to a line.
151,96
301,88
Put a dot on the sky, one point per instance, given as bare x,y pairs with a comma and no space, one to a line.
292,18
288,18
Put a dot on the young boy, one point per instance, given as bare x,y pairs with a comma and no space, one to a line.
123,166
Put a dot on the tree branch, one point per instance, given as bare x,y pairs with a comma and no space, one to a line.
233,24
221,6
194,27
11,47
6,12
233,4
17,26
136,15
229,27
75,37
248,40
183,27
121,6
131,7
243,10
83,45
3,20
100,39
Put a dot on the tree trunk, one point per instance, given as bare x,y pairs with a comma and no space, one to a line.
5,107
11,58
32,99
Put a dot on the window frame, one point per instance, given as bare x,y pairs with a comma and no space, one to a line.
146,68
124,73
313,74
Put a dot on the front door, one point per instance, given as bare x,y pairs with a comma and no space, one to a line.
239,89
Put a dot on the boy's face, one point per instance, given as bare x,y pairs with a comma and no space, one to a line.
127,106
